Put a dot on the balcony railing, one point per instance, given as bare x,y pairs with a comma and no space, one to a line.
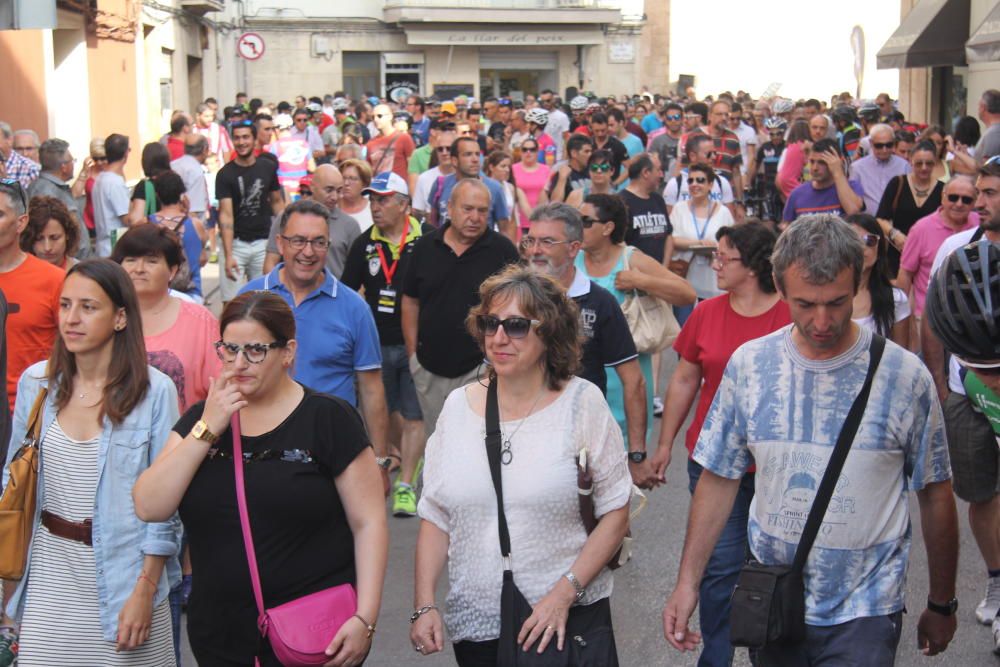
506,4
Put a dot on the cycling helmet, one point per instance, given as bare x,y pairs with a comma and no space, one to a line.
593,106
775,123
844,114
578,103
539,117
869,111
963,302
782,106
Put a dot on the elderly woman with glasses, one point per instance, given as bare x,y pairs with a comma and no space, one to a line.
529,330
313,494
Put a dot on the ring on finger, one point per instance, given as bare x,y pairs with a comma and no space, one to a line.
419,648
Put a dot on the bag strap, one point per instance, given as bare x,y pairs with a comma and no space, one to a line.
150,192
836,463
493,454
899,193
241,502
34,430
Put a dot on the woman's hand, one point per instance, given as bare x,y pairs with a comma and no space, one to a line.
548,618
629,279
136,617
427,633
350,645
223,400
660,462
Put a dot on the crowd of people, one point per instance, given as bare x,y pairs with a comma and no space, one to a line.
396,277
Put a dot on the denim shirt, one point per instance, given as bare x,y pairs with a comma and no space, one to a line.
121,539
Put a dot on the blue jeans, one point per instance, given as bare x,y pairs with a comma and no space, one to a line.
720,576
871,642
176,595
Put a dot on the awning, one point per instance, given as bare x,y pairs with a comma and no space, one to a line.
462,36
984,45
931,35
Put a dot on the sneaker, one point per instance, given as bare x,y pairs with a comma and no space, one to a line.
657,406
404,502
988,608
8,646
213,258
996,636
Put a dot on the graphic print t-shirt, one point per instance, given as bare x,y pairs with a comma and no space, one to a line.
250,189
649,224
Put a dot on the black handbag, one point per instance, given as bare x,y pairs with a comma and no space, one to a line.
768,605
590,640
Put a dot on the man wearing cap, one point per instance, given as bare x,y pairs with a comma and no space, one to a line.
448,110
392,148
327,183
378,261
337,342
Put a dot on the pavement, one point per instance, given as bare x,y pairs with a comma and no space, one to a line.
642,586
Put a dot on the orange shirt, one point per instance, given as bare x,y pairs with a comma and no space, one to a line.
32,291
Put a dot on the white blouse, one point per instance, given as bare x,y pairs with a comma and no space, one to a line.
902,304
540,501
700,273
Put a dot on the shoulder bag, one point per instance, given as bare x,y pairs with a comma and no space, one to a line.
769,602
585,494
298,631
17,506
590,640
650,319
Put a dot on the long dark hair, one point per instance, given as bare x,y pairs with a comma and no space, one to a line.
879,285
128,374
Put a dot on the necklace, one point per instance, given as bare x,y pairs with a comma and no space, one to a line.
921,193
506,455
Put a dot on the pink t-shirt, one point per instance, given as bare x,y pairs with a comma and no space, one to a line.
186,353
922,243
531,182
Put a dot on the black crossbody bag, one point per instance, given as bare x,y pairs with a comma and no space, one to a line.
590,640
768,605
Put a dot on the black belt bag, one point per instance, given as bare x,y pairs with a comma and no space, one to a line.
768,605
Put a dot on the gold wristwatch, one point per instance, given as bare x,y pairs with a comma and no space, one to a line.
201,432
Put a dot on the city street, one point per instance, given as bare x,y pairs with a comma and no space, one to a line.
642,585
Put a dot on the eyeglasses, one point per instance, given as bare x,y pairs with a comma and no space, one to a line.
966,199
700,180
870,240
299,242
673,116
589,222
514,327
15,185
252,352
881,146
529,242
722,260
600,168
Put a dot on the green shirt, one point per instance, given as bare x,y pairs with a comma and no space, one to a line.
984,399
420,160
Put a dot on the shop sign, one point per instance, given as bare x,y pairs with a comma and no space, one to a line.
504,37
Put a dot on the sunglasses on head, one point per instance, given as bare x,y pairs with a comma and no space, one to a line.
600,168
514,327
15,186
966,199
241,123
701,180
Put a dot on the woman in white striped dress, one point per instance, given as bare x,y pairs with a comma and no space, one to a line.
95,589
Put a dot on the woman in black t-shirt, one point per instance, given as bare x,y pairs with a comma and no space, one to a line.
313,488
155,161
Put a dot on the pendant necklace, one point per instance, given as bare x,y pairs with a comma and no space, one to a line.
506,455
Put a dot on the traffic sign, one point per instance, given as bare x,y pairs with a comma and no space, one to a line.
250,46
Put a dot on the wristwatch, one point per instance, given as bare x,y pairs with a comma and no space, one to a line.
946,609
637,457
201,432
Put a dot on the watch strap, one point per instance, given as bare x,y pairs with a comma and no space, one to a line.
946,609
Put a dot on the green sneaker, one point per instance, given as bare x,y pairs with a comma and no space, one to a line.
8,646
404,502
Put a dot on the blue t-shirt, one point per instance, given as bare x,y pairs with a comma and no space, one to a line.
783,411
651,122
421,131
806,200
335,332
633,145
498,202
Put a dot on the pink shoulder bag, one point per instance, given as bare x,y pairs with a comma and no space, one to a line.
299,631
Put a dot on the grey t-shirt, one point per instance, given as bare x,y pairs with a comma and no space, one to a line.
343,230
989,144
111,201
193,175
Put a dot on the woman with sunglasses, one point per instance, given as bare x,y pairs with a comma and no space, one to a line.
313,492
749,309
907,199
357,176
95,588
696,222
498,167
600,167
531,177
529,331
879,305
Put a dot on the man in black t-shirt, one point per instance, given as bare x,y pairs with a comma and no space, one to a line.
649,227
604,141
572,174
550,248
249,194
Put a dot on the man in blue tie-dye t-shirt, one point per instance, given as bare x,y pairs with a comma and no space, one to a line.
781,405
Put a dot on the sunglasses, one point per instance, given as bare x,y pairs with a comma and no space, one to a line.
966,199
884,146
241,123
15,185
600,168
514,327
870,240
529,149
700,180
673,116
589,222
443,149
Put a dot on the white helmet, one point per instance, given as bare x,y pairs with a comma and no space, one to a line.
537,116
782,106
578,103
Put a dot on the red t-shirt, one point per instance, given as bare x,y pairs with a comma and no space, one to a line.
383,158
175,147
709,338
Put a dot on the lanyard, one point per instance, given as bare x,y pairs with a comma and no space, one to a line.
390,271
701,232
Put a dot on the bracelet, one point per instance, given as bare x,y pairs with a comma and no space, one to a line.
143,575
420,612
577,586
370,626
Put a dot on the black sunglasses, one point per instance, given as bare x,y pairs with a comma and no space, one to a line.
589,222
701,180
529,149
966,199
514,327
870,240
881,146
15,186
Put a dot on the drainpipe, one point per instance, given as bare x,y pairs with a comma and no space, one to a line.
579,66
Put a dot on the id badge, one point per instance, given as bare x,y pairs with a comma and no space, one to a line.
387,300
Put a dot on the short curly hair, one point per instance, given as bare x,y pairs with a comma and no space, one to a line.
755,241
41,209
540,298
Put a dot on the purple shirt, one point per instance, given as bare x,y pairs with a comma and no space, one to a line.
807,200
875,175
922,243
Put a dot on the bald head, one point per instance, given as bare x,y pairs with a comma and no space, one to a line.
326,184
382,117
196,146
